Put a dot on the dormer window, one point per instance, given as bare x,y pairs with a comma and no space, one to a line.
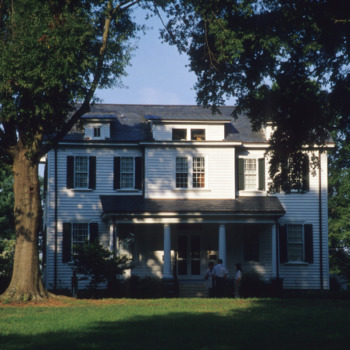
97,131
179,134
198,134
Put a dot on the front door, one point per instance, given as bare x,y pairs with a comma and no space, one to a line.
188,256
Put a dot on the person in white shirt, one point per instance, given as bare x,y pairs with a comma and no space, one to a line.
220,273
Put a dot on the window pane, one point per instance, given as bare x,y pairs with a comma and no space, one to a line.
250,174
80,235
127,172
251,244
181,172
295,242
198,172
197,134
81,172
179,134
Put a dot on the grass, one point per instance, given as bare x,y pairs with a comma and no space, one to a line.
198,324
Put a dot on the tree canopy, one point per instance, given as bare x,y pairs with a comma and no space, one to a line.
53,56
286,62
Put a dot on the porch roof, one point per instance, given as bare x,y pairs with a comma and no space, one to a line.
139,206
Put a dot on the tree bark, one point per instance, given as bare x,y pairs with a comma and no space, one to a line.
26,281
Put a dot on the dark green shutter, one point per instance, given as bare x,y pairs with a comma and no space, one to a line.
93,231
70,172
261,163
309,244
138,173
92,172
116,182
283,243
240,174
66,242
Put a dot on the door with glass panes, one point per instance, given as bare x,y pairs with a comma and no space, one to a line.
188,256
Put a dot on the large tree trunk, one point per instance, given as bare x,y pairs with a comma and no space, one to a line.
26,282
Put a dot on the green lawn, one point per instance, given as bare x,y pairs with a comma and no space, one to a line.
178,324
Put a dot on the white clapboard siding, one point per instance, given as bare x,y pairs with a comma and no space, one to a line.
161,166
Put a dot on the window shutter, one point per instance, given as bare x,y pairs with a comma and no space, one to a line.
138,173
116,184
262,174
93,231
309,246
283,243
70,172
240,174
92,172
66,243
306,174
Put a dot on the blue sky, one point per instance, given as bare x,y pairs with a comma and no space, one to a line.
157,75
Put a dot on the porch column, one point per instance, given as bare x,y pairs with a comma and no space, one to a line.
274,251
167,252
222,244
112,238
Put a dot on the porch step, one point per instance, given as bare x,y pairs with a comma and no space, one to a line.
192,290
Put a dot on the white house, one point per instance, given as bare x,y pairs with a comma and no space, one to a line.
189,187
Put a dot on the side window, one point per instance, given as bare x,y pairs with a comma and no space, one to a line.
75,234
296,243
81,172
127,173
251,174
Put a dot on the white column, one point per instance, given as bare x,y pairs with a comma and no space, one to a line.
113,238
167,252
274,251
222,244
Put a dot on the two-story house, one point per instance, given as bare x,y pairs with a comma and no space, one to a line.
185,187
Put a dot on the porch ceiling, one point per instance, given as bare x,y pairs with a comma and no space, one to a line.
136,206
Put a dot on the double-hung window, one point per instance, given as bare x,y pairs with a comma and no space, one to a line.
198,176
181,172
296,243
127,173
251,174
75,235
81,172
80,235
190,172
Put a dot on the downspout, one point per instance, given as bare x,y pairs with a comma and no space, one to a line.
277,250
56,219
320,218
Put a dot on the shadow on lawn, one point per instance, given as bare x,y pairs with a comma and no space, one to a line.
257,327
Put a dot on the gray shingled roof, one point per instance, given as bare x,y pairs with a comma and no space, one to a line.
130,122
243,205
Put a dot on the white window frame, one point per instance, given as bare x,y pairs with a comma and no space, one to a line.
76,172
178,171
190,175
256,187
123,188
290,243
80,242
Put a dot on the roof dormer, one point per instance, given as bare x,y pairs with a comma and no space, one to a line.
97,127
